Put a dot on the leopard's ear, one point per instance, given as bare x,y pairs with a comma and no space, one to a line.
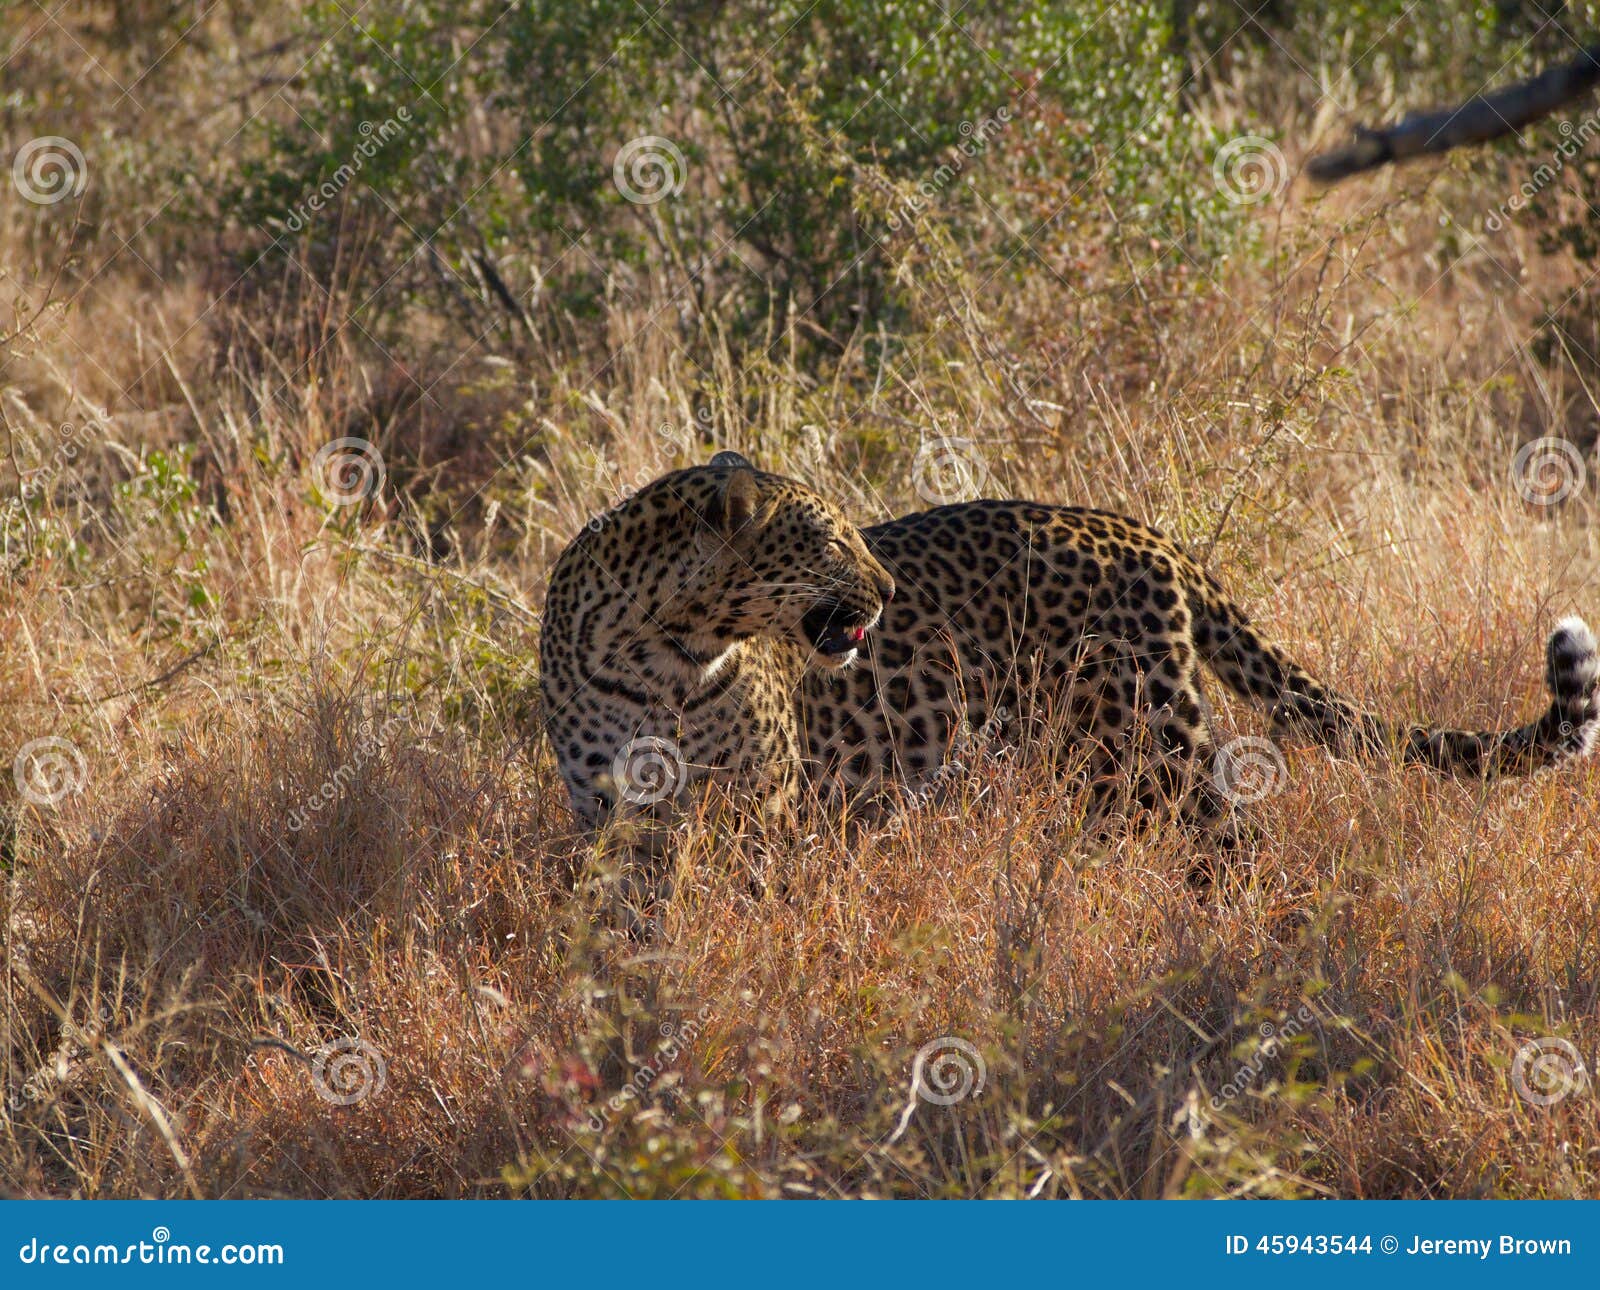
741,496
732,459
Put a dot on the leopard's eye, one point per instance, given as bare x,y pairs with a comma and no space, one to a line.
838,548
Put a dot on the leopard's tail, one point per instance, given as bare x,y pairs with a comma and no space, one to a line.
1256,669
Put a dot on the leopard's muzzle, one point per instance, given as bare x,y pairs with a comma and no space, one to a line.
836,630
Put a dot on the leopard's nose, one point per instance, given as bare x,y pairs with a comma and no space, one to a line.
886,590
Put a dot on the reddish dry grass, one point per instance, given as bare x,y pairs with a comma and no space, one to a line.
1336,431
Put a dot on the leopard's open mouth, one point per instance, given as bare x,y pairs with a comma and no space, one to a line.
836,630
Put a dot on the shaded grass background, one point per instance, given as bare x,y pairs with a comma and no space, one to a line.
1330,417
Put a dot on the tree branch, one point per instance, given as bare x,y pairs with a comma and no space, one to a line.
1480,119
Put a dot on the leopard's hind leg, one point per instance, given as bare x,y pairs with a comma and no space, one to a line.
1152,756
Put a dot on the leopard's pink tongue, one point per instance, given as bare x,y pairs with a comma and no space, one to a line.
857,634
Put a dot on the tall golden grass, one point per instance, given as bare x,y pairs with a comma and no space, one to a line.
1331,422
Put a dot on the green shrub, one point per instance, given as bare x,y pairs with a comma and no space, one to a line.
561,142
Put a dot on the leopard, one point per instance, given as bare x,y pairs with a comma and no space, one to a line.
729,626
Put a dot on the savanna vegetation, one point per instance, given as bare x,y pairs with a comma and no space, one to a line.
327,325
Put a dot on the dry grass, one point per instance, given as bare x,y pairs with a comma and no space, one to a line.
1333,421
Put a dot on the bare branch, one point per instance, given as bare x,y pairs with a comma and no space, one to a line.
1479,119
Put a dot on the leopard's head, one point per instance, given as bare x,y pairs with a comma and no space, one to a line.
787,562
